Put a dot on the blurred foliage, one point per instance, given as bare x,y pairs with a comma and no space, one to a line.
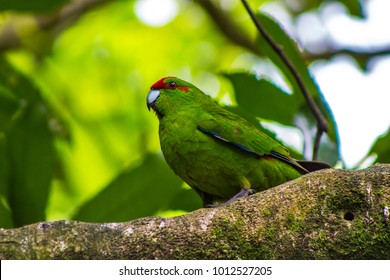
27,148
76,139
354,6
119,203
381,148
31,6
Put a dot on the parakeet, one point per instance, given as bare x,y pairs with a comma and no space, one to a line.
219,154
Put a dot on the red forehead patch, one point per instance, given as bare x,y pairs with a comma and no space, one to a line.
160,84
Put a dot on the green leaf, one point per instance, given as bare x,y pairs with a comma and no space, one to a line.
185,199
290,49
8,107
32,5
28,150
5,214
31,156
354,7
4,168
381,148
138,192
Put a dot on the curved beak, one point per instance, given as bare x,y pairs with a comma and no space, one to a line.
151,98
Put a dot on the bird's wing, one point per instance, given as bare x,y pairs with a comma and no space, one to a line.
232,129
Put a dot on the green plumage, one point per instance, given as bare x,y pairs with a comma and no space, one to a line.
216,152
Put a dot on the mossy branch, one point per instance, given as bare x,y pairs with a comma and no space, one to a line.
330,214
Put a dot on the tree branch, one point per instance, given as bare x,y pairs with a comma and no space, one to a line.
58,21
330,214
228,27
360,55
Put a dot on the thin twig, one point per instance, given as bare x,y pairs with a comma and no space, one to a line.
321,120
316,146
360,55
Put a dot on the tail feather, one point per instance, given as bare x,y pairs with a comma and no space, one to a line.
302,166
312,166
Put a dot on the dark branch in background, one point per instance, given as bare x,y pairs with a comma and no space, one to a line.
317,141
56,21
228,27
360,55
322,124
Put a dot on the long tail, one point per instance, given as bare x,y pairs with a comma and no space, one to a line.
312,166
302,166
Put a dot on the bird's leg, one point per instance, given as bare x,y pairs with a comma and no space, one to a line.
242,193
207,200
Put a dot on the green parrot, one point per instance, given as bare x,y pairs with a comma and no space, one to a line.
220,155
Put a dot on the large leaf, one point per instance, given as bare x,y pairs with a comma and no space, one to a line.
28,150
8,107
149,188
381,148
31,5
4,168
5,214
290,49
354,7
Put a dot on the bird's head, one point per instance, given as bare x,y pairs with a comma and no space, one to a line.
170,94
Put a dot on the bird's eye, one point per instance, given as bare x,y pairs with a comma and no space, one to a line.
172,85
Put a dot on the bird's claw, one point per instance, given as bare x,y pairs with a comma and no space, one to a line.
241,194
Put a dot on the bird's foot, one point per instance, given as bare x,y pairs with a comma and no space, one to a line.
242,193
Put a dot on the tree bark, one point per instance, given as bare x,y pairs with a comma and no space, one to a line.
329,214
